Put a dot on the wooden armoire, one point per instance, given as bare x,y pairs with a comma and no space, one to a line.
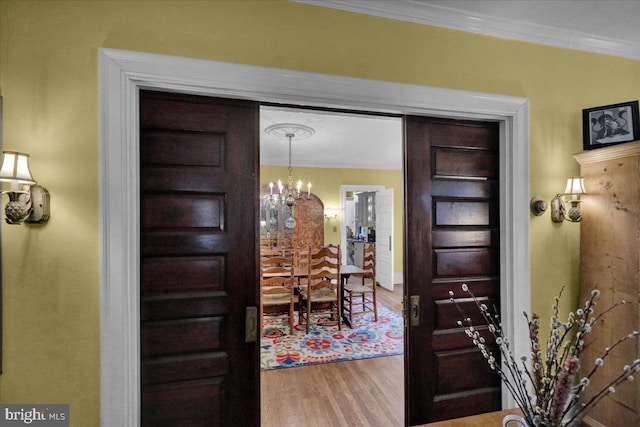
610,261
309,221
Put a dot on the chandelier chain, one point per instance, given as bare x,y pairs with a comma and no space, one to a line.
288,194
289,135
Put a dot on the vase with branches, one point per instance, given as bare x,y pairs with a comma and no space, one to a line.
548,385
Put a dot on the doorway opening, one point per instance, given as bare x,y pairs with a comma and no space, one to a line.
123,73
349,154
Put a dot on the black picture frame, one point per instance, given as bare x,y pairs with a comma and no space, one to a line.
610,125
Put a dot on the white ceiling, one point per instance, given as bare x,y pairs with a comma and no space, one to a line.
354,141
339,141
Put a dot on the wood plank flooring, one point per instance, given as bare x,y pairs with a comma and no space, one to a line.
367,392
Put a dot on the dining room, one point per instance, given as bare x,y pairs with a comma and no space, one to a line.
320,172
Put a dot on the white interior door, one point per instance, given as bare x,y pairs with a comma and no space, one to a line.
384,238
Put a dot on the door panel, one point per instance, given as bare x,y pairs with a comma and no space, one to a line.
446,313
174,274
442,134
452,229
465,262
463,163
453,379
463,188
169,148
198,260
166,211
384,238
457,213
454,239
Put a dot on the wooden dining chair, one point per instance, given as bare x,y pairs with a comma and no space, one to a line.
286,241
265,254
321,292
302,254
361,297
276,288
265,243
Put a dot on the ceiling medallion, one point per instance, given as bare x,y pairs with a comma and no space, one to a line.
285,130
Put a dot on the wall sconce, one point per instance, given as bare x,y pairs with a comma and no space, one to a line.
330,213
559,213
28,202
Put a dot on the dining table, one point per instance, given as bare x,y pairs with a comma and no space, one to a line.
489,419
346,270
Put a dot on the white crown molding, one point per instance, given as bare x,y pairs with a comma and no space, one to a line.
420,12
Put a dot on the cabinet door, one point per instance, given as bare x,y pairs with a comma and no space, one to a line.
609,260
362,210
358,213
371,209
357,256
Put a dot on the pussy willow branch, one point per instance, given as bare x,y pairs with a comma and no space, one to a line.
512,380
623,377
581,386
565,340
608,350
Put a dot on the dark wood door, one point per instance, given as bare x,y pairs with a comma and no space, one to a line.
452,237
199,163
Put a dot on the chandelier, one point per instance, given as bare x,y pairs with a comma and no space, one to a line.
288,194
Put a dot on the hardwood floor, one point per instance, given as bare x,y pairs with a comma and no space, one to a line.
368,392
391,299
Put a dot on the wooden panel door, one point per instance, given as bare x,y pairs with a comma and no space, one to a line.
198,179
452,232
384,238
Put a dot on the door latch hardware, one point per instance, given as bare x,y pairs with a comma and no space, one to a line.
414,310
251,324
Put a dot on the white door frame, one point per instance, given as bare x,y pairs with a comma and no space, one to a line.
123,73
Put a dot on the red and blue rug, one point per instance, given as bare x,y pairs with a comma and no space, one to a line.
326,344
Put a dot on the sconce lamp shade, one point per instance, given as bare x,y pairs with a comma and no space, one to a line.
29,204
575,186
330,213
15,168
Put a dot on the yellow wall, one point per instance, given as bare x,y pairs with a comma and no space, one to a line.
49,82
326,185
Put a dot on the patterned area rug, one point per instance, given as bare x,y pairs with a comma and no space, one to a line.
325,344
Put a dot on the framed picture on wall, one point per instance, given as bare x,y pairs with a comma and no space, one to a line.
610,124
